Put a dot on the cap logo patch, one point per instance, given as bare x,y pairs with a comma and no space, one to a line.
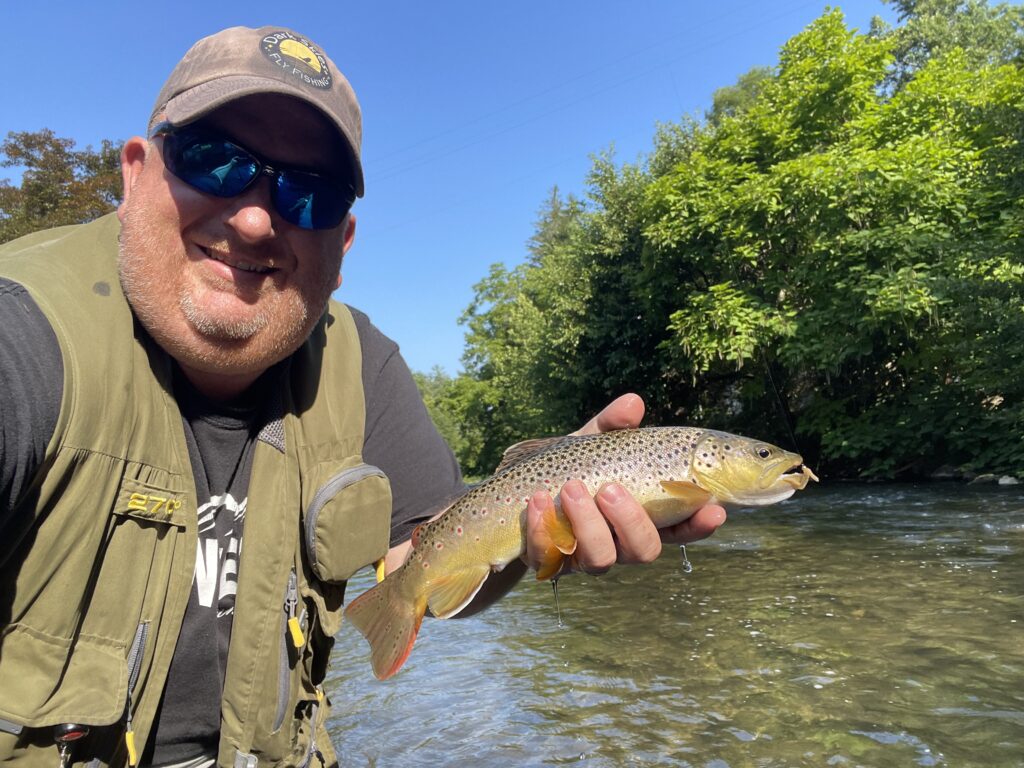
298,57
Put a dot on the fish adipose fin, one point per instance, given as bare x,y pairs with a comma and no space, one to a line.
687,492
447,595
557,541
389,622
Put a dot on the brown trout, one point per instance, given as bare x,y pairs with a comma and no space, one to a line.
671,471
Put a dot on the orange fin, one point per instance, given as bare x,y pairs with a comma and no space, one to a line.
557,541
450,593
389,623
690,493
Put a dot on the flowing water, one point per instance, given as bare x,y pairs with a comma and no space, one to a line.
852,625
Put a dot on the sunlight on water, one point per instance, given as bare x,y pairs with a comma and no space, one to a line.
852,626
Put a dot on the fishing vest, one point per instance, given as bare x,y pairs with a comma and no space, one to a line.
97,563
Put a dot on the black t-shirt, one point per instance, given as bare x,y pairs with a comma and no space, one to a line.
399,438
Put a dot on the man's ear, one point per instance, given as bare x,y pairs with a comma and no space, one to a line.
133,158
347,240
350,234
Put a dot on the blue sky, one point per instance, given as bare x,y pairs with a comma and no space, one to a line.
472,111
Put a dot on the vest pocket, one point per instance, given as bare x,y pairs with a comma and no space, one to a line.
97,576
347,524
48,680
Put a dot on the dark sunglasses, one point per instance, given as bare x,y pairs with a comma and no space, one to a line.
218,166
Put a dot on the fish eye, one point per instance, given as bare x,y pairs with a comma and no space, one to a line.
764,453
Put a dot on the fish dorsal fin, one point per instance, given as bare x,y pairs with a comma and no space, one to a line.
525,449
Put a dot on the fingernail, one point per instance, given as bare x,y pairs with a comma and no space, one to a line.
540,499
613,493
575,490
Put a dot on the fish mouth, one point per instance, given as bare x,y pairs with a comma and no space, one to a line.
798,476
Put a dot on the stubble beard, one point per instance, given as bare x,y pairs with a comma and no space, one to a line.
235,343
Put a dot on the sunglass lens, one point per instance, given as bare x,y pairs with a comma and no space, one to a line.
310,201
214,166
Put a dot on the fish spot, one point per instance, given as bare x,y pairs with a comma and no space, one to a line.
458,530
439,545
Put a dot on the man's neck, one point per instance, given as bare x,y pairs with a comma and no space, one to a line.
219,386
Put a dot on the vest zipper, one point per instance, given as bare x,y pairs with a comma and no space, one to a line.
328,491
294,633
135,655
313,728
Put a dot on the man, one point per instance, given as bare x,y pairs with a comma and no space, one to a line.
177,372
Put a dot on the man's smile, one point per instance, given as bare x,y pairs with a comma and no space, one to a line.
238,263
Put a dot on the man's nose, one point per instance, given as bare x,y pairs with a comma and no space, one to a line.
252,213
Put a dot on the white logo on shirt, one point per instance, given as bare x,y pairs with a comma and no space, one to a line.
216,574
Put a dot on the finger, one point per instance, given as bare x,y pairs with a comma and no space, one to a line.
636,537
595,546
535,509
700,525
623,412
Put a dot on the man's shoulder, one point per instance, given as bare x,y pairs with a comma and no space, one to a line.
104,228
377,348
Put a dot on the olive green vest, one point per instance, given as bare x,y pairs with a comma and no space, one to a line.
97,563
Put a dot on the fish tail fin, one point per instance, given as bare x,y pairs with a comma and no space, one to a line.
389,621
558,541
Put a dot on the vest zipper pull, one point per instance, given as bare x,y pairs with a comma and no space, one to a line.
292,600
129,739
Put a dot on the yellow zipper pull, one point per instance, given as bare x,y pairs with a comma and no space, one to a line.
129,740
380,570
294,626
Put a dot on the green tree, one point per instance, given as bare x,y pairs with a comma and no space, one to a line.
846,234
732,100
59,184
987,35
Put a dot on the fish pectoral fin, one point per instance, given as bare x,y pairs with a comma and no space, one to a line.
553,541
450,593
689,493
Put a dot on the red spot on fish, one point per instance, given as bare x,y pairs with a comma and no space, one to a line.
439,545
458,530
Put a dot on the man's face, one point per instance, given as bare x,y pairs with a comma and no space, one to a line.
226,285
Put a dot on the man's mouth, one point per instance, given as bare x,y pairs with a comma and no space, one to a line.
237,263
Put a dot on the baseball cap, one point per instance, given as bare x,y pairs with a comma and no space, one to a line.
241,61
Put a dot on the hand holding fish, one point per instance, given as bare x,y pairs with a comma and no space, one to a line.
672,474
612,527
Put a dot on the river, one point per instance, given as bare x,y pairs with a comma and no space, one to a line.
853,625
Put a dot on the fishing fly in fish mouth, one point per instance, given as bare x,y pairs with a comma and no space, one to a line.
671,471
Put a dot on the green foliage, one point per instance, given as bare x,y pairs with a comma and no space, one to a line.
733,100
844,228
59,184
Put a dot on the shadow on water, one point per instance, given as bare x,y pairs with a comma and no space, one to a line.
852,626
